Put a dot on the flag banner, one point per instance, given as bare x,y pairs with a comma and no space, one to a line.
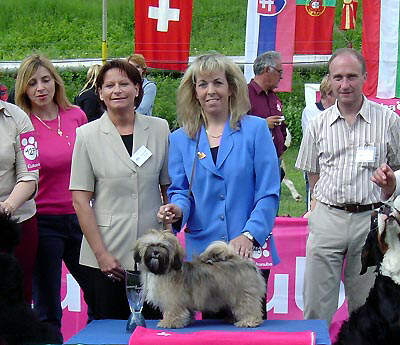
162,32
380,45
270,26
349,14
314,26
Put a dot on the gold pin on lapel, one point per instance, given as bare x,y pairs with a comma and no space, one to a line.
201,155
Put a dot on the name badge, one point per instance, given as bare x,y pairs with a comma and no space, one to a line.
29,148
141,155
366,154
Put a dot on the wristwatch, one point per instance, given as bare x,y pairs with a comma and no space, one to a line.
248,235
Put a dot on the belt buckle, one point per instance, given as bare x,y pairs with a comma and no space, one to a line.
353,208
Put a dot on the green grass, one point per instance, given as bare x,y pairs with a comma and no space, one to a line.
287,206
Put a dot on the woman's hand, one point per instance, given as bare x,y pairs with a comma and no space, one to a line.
242,246
169,213
110,266
6,208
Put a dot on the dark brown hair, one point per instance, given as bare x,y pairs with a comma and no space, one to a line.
131,72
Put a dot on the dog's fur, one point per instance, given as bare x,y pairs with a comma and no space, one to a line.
18,323
377,322
217,279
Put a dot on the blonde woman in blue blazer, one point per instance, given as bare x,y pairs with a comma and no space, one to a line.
222,164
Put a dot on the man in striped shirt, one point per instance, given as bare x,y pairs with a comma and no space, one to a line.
340,150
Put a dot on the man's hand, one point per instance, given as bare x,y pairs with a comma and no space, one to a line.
384,177
274,121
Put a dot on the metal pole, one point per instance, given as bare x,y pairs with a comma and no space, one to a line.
104,34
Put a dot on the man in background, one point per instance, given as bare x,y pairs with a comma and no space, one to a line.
263,100
313,110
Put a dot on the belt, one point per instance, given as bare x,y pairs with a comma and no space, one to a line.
356,208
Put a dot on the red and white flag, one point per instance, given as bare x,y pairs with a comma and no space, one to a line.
381,48
349,14
162,32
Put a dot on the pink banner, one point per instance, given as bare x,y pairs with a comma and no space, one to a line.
285,287
73,305
393,103
145,336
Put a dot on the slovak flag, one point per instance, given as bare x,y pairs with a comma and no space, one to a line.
270,26
162,32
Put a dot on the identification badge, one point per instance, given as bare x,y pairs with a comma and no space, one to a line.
29,148
366,154
141,155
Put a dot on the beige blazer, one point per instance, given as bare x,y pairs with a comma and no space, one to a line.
126,197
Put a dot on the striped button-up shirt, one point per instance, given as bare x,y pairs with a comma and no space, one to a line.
332,148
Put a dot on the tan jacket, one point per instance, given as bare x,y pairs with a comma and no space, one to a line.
13,122
126,197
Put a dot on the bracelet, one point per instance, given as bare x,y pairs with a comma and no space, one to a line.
248,235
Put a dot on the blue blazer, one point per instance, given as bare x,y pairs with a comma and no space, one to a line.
239,193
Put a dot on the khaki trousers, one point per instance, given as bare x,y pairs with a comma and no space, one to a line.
335,235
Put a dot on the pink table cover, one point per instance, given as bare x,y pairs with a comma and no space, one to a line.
146,336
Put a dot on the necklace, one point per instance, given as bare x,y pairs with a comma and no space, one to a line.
59,131
214,136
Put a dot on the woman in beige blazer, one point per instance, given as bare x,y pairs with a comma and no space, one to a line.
119,167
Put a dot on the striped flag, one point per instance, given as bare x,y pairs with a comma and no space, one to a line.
349,14
314,26
270,26
380,42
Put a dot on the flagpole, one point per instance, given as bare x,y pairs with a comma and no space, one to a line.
104,34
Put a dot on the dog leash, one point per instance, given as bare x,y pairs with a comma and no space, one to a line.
193,169
194,164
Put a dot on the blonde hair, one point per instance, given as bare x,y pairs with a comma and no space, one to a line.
189,112
138,59
28,67
91,76
325,87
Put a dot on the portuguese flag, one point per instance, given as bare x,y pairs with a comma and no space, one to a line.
380,42
314,26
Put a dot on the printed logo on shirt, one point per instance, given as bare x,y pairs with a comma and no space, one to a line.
278,106
29,148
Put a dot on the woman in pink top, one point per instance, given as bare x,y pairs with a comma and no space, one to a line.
40,92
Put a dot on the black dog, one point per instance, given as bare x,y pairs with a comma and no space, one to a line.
377,322
18,323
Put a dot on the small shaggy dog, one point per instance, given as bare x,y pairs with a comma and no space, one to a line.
217,279
18,324
377,322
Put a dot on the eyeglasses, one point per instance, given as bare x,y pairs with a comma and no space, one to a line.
280,71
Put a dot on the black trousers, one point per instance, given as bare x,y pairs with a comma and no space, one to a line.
106,299
60,238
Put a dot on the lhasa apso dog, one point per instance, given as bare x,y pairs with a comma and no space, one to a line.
217,279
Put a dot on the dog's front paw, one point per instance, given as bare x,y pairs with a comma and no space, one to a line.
165,323
253,322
